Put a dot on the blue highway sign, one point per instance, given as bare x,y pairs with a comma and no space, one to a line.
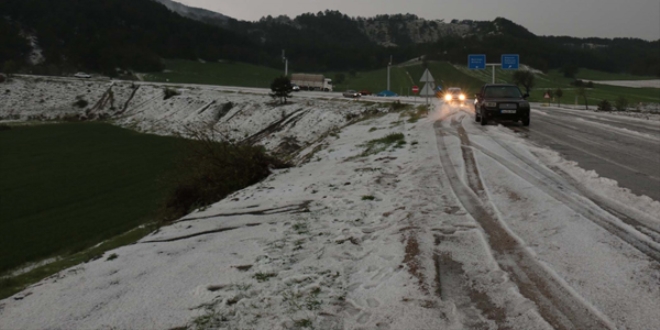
476,61
510,61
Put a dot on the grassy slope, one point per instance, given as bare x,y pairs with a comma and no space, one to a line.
376,81
225,73
67,187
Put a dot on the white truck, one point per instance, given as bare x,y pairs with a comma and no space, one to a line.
311,82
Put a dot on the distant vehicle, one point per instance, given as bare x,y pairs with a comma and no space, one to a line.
351,93
82,75
295,88
501,101
387,93
312,82
365,92
453,95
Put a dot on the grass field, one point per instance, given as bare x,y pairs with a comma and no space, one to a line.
376,81
221,73
67,187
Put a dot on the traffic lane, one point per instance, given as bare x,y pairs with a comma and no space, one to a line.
633,162
633,124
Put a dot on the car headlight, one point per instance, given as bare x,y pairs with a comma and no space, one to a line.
447,97
490,104
461,97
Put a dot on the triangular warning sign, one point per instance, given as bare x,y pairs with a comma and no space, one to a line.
427,77
427,90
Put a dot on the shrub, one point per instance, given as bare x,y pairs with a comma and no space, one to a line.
169,93
81,103
208,171
577,83
604,105
621,103
397,105
2,78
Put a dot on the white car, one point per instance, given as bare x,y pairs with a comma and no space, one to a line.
351,93
295,88
82,75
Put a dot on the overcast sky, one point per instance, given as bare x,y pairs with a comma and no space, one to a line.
579,18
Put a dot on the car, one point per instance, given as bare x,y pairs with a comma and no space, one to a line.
82,75
365,92
351,93
454,95
501,101
295,88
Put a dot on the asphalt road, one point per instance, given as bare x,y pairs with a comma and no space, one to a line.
619,148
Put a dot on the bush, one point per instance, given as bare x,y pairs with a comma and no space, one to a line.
621,103
169,93
577,83
397,105
208,171
81,103
2,78
604,105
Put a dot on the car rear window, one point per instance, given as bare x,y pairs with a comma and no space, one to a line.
504,92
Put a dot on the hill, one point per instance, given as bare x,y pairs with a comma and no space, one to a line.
104,35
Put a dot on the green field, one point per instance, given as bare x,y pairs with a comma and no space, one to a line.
67,187
221,73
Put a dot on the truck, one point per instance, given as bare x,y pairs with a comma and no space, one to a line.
312,82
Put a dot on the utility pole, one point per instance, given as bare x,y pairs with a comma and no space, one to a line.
286,64
388,73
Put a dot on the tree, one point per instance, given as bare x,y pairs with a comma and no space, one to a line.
581,91
559,93
621,103
9,67
281,88
524,78
570,70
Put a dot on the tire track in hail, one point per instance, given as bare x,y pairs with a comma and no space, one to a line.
557,303
562,179
557,190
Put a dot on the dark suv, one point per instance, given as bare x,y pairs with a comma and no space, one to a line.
503,102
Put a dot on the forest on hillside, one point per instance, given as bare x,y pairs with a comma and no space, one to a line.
103,35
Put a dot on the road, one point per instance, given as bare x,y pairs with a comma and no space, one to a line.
623,149
554,236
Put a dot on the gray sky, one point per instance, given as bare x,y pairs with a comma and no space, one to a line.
579,18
